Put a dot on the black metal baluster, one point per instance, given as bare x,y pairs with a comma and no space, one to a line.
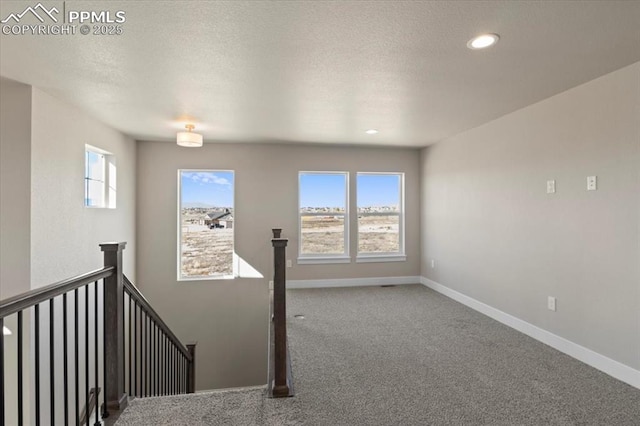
37,372
76,354
135,348
95,349
148,351
20,378
105,409
51,365
130,340
86,353
143,359
124,342
65,366
168,373
153,359
156,357
143,363
2,369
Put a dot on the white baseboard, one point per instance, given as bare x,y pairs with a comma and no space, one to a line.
352,282
607,365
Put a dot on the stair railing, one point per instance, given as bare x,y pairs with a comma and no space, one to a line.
65,347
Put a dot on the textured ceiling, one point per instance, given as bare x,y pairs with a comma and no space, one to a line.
322,71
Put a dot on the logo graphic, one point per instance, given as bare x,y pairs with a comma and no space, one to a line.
34,11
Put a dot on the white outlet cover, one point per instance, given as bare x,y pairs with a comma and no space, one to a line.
551,186
592,183
551,303
433,263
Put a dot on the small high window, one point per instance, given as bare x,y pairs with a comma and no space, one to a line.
99,178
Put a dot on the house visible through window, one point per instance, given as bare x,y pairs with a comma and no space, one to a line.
380,216
323,217
99,178
206,224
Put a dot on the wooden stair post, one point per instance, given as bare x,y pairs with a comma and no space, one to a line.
281,387
114,330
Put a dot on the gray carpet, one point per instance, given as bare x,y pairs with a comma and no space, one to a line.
408,356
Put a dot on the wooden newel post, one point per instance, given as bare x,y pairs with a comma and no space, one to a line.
191,373
280,387
114,329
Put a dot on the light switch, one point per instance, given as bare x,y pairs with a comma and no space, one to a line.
551,186
592,183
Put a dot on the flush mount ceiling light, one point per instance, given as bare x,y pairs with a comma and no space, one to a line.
371,132
6,331
483,41
189,138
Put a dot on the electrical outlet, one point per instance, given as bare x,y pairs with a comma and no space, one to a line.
270,285
433,264
551,303
592,183
551,186
289,263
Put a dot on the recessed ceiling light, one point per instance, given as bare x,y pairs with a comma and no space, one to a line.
371,132
483,41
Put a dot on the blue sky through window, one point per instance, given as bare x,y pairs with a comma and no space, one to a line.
322,190
206,188
378,190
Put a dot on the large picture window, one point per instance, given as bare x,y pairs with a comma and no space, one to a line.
324,213
380,216
206,227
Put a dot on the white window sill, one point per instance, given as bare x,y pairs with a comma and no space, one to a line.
374,258
323,260
210,278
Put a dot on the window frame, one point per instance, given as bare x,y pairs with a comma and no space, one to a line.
324,258
109,178
234,258
396,256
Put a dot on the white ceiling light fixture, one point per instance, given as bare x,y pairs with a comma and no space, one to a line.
483,41
6,331
371,132
189,138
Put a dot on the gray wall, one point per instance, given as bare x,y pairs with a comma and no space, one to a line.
229,317
498,237
15,187
65,234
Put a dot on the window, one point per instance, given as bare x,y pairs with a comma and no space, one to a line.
323,210
99,178
206,228
380,198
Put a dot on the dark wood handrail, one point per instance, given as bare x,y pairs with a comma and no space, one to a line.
133,291
33,297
